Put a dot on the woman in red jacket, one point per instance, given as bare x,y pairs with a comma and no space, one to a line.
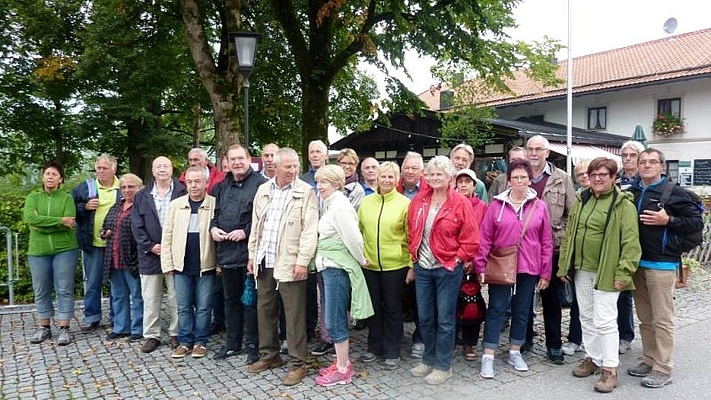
442,238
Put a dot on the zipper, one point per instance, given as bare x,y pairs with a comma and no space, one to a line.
380,214
49,213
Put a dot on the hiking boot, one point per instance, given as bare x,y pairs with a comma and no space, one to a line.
641,370
43,333
332,377
555,355
418,349
487,367
64,338
199,350
252,354
421,370
656,379
586,368
323,348
150,345
624,346
265,364
516,360
294,376
225,352
570,348
181,351
607,381
438,377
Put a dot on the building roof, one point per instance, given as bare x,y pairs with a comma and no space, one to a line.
684,56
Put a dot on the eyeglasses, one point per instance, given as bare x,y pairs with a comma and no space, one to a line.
536,149
597,175
519,178
649,162
346,164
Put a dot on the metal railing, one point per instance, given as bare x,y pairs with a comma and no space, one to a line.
13,274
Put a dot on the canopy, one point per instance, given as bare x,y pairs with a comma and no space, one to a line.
583,152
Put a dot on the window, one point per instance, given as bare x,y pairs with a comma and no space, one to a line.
673,170
597,118
669,107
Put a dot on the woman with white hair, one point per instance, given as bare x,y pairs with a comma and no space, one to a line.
442,238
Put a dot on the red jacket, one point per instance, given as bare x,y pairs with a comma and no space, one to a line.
455,233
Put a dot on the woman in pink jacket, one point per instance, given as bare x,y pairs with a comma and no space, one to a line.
501,227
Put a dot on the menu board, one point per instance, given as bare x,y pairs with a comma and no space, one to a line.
702,172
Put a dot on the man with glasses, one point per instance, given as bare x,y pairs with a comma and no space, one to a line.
654,280
556,188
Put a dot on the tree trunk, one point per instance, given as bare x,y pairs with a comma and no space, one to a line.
314,116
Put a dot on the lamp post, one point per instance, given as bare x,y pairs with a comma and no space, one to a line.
245,49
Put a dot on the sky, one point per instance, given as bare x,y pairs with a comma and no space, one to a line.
596,26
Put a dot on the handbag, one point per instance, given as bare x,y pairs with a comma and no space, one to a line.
471,307
502,262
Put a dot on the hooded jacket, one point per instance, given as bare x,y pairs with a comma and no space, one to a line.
502,227
620,251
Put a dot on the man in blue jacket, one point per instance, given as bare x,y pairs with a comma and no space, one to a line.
230,228
660,230
149,210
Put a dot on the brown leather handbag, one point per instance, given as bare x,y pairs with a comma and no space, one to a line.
502,262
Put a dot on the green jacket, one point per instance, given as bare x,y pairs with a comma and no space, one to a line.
336,251
43,213
383,222
620,250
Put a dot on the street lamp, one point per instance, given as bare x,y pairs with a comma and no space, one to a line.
245,49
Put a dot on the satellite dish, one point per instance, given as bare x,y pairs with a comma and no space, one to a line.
670,25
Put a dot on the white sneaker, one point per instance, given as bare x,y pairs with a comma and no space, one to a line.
487,367
516,359
570,348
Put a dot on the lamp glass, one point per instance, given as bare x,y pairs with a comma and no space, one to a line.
246,47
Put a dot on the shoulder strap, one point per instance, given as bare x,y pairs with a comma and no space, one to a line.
529,215
668,188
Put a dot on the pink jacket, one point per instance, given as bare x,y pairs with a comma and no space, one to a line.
454,234
502,226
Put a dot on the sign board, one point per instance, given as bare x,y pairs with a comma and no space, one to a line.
702,172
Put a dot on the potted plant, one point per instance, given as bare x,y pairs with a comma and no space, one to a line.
668,125
688,266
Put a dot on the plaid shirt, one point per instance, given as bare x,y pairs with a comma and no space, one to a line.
279,198
121,252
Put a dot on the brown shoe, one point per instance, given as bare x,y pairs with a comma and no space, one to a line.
174,342
150,345
607,381
181,351
586,368
294,377
199,351
265,364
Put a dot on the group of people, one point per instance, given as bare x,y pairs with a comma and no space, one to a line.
279,242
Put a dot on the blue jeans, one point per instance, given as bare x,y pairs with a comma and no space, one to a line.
437,291
93,270
625,318
56,270
336,300
499,297
126,301
194,294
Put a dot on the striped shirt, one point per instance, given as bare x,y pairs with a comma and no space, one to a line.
268,245
162,203
425,256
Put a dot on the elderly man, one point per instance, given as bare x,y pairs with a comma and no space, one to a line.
93,198
189,258
318,157
462,156
630,154
149,210
281,245
367,170
197,157
500,183
555,187
268,167
412,178
654,279
230,229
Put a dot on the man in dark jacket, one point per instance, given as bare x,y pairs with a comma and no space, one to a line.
659,233
230,228
149,210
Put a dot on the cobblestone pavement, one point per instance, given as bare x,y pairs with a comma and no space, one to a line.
94,368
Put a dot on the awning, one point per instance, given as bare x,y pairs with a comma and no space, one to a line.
582,152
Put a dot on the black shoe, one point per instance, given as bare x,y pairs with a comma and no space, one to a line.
91,327
252,354
135,337
323,348
114,336
555,355
226,352
216,329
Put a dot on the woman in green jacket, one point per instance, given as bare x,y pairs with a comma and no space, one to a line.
382,218
52,252
601,250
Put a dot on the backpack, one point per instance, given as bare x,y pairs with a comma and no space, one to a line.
688,240
470,305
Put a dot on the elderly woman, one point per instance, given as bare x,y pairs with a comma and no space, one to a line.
503,224
53,252
339,258
443,237
121,264
581,174
382,218
348,160
601,250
